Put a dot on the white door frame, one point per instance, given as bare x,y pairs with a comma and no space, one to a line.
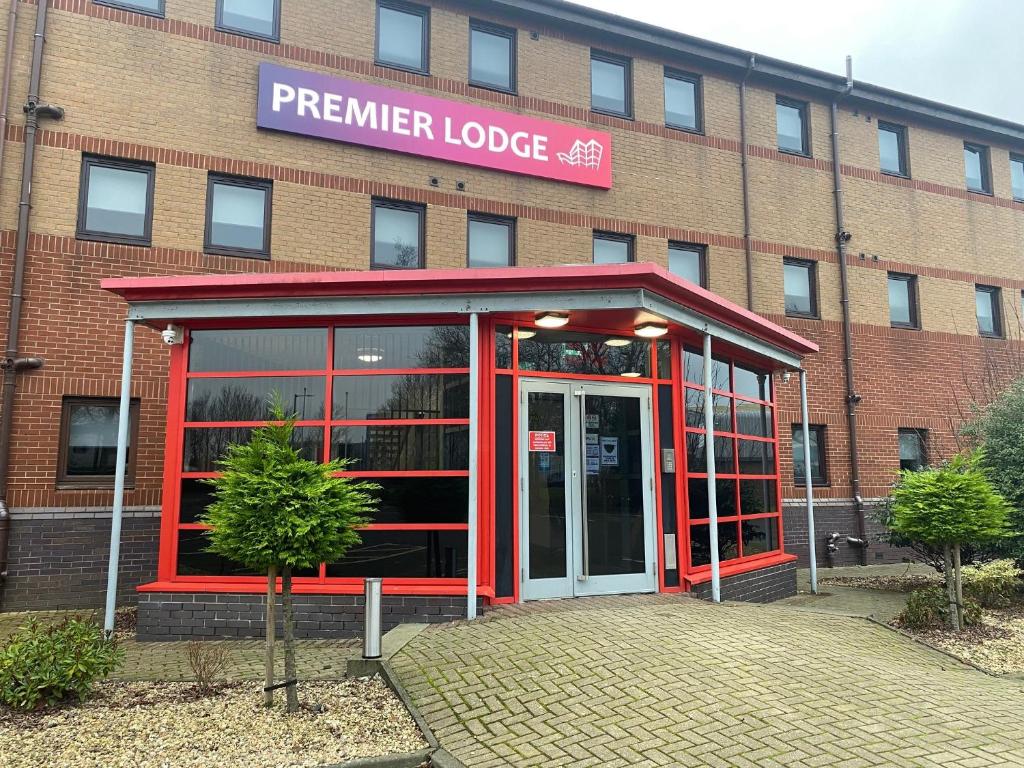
576,582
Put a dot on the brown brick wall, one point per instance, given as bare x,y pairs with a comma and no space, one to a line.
176,92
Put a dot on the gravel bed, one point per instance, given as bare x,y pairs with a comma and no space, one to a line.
996,645
160,725
900,583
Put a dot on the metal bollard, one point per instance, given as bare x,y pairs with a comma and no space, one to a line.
371,618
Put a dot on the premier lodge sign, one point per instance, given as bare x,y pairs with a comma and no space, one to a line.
333,108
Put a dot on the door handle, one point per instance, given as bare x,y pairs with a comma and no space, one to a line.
584,528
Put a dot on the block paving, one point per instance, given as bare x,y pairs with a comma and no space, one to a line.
670,681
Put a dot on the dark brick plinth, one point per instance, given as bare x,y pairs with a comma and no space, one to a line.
764,585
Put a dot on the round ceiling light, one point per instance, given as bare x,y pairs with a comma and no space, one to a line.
651,330
551,319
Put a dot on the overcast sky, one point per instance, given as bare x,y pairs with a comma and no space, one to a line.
968,53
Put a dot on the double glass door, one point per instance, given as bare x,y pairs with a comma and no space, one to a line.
587,500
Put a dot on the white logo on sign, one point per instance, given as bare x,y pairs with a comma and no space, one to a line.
586,154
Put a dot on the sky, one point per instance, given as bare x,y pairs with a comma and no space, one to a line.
966,53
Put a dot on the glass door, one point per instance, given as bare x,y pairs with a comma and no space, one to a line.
587,511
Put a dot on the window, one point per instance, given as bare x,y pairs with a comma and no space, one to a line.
403,36
491,241
913,449
88,442
252,18
393,401
611,87
892,149
800,285
237,216
115,201
1017,177
791,126
903,300
612,248
492,56
817,435
987,300
978,170
396,230
683,101
688,262
148,7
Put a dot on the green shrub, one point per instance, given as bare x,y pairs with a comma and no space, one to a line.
928,608
47,664
993,585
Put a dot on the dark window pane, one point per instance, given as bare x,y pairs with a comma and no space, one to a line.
1017,177
693,367
912,449
490,59
396,237
400,38
116,201
695,408
790,125
443,346
681,104
571,352
395,448
254,16
686,263
490,243
417,500
696,459
900,301
195,560
547,506
760,536
204,446
754,419
196,496
406,396
237,216
891,150
503,346
798,289
663,350
263,349
611,251
92,440
725,497
405,554
722,409
758,496
249,399
753,384
700,543
756,458
817,443
608,86
728,541
974,166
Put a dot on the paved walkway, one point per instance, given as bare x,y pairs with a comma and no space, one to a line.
848,600
664,680
315,659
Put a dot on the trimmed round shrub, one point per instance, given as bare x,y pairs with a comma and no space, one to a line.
42,665
995,584
927,608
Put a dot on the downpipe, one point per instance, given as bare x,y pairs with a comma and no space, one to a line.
12,364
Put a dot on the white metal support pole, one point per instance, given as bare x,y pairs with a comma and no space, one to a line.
119,473
709,448
808,486
474,439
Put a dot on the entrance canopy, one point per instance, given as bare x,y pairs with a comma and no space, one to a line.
625,295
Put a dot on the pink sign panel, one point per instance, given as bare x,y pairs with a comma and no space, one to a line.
311,104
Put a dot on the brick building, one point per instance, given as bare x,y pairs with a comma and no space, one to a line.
162,165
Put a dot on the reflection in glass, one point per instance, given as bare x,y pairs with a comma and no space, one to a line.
116,201
756,457
571,352
404,555
490,59
754,419
685,261
400,38
790,126
196,496
696,457
700,543
663,351
406,396
249,399
418,500
758,496
92,439
237,215
396,236
546,481
444,346
195,560
760,536
753,384
253,16
796,279
681,105
490,243
258,349
725,497
503,347
608,86
204,446
392,448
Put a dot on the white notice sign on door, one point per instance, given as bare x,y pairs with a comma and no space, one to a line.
609,451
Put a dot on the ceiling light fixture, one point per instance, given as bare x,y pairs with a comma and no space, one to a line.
617,341
651,330
551,319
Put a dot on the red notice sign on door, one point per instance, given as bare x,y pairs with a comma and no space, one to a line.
542,442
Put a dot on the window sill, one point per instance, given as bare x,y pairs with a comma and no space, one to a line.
129,8
802,316
246,33
985,192
213,250
100,237
904,327
92,485
894,174
609,113
994,336
685,129
795,153
400,68
799,483
494,88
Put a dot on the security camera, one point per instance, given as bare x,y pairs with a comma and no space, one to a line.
172,335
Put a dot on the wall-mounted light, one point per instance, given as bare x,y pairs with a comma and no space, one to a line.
369,354
786,376
651,330
551,319
617,342
630,375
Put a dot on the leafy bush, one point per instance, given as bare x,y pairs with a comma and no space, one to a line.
928,608
995,584
48,664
